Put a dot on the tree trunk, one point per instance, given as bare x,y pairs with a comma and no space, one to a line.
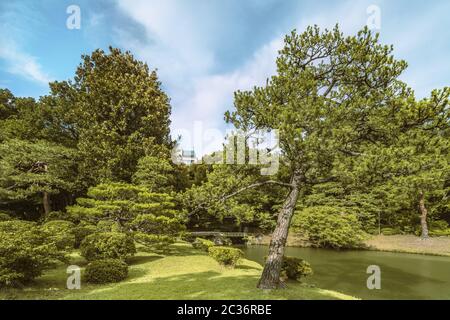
46,203
270,278
423,215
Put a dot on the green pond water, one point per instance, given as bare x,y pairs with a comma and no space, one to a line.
403,276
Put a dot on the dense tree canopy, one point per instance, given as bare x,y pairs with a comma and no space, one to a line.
115,111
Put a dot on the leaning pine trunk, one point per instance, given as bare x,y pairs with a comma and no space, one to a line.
423,215
46,203
270,278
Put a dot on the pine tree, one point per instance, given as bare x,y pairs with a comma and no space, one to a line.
152,218
332,94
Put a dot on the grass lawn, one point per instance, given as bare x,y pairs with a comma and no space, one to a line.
410,244
184,274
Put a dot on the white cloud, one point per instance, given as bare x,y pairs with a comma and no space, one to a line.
24,65
180,46
16,60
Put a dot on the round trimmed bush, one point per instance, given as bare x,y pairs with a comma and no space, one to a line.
225,255
295,268
106,271
107,245
202,244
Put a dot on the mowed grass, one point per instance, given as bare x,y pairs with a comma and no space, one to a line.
185,273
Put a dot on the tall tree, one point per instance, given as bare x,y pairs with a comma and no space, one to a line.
332,94
114,110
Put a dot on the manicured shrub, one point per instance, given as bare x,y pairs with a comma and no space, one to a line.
294,268
329,227
107,226
81,231
225,255
25,252
106,271
439,233
107,245
202,244
390,231
438,225
61,233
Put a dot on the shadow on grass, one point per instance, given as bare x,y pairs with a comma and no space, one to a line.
137,260
186,251
245,267
202,285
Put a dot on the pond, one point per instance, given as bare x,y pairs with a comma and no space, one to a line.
403,276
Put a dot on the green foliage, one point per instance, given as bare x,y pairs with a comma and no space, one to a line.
115,111
108,226
4,217
329,227
81,231
106,271
295,268
202,244
319,102
155,173
153,218
254,207
439,225
19,118
25,252
107,245
28,170
61,233
60,215
225,255
440,233
390,231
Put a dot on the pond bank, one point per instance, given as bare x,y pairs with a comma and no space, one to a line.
438,246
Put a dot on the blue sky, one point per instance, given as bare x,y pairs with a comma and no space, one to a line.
204,50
